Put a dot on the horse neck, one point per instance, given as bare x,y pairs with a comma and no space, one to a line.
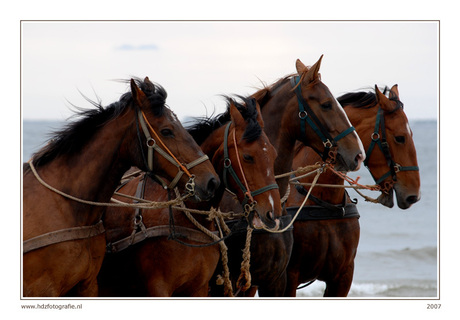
278,127
210,146
94,172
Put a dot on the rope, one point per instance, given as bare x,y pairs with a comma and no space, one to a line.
115,203
228,291
310,168
318,173
244,280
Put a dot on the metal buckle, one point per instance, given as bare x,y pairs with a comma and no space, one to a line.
227,163
303,115
151,142
190,185
397,168
328,144
376,135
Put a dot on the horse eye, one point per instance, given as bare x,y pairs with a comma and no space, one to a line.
327,105
167,133
248,158
400,139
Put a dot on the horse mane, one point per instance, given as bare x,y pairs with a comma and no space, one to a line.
264,94
74,136
202,127
366,100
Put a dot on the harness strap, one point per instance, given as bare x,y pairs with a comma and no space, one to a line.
63,235
381,142
307,115
159,231
168,155
229,168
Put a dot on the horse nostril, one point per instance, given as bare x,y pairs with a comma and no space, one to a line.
359,158
270,215
412,199
213,184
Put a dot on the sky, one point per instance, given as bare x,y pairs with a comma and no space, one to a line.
197,62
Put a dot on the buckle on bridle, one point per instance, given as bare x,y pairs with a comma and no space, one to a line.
375,136
190,186
328,144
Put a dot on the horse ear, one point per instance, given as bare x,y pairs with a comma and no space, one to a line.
384,102
236,116
394,92
138,96
301,68
313,72
259,115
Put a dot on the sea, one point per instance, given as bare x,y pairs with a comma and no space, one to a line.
398,253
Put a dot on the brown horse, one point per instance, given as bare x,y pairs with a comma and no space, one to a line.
326,233
64,241
159,266
298,107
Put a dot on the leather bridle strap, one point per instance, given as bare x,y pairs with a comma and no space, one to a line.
382,143
168,155
307,115
229,168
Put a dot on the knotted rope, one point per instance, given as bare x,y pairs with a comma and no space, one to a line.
244,280
228,290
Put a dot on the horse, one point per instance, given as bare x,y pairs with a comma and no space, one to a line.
326,232
162,267
68,184
296,107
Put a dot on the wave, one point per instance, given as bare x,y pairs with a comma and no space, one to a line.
402,289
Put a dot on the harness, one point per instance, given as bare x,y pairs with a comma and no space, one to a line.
83,232
248,202
307,115
168,155
381,142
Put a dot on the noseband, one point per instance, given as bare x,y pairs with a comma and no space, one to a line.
307,115
381,142
168,155
248,202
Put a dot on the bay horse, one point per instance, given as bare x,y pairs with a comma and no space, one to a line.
298,107
161,267
64,240
326,233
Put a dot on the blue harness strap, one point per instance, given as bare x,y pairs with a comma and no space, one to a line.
307,115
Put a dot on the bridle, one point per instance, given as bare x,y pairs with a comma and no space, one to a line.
168,155
307,115
248,202
382,143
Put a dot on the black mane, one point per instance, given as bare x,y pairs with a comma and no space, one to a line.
203,127
366,100
74,136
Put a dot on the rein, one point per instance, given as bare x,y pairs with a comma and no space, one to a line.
381,142
307,115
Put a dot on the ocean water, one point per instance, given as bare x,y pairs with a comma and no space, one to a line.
398,251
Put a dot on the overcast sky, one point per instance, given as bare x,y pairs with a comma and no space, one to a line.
196,62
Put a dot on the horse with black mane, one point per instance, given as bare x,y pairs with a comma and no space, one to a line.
326,232
65,183
298,107
163,252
